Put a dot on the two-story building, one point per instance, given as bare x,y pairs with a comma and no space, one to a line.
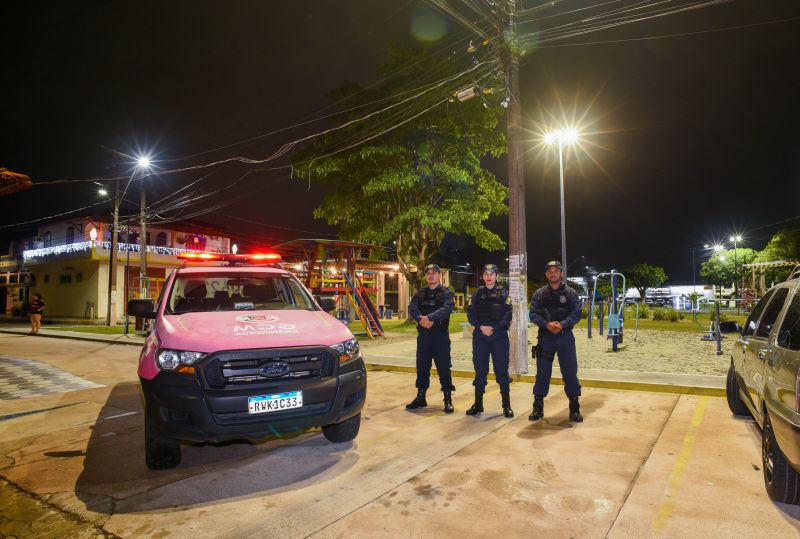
68,263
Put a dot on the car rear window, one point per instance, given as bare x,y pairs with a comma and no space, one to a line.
201,292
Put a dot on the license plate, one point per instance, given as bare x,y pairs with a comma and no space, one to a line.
275,403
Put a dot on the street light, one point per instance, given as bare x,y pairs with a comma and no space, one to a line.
143,163
735,240
565,136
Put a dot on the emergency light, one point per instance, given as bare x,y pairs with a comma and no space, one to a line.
232,258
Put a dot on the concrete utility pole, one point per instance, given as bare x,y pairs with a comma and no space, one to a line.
518,252
111,314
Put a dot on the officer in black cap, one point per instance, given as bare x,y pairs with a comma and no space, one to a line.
431,308
556,308
490,313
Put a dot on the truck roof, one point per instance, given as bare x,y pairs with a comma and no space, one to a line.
233,269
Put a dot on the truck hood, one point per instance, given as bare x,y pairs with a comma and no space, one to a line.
238,330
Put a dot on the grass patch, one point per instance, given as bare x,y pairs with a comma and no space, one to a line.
403,327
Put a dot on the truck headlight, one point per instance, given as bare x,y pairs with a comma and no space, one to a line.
169,360
348,350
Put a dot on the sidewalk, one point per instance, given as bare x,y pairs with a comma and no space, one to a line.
399,356
132,338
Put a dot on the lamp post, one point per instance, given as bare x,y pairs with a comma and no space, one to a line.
143,162
562,137
735,239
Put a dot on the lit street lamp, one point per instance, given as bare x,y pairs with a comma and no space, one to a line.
143,163
563,137
735,240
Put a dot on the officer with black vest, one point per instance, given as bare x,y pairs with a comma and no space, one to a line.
431,308
490,313
556,308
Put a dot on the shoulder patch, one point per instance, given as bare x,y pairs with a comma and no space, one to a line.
508,300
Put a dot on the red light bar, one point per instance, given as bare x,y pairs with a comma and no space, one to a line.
208,257
262,256
199,256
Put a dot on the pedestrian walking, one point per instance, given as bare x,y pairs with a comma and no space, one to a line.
36,309
555,309
431,308
490,313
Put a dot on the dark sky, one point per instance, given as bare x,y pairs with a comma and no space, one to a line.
687,140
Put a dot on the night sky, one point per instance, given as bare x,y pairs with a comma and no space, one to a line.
687,139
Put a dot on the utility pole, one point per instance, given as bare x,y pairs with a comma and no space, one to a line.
518,253
111,314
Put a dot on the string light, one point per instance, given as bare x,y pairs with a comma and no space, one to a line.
31,254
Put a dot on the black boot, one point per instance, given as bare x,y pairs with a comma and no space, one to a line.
575,410
448,402
507,411
419,401
538,408
478,406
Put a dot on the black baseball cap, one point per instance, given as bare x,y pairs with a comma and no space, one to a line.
433,267
555,263
492,268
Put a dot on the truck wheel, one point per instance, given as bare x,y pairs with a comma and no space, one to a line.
782,482
732,393
343,432
160,452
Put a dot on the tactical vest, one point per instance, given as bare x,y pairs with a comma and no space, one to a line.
555,304
489,304
430,300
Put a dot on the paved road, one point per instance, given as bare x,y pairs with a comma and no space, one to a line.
642,465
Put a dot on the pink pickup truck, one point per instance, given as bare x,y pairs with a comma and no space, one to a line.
244,352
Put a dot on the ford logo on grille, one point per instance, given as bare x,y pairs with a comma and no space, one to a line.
274,369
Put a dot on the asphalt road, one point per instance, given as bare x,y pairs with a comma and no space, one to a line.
641,465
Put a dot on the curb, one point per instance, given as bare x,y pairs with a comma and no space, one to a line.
601,384
74,338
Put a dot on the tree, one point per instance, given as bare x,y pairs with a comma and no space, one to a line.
782,246
420,180
643,276
721,268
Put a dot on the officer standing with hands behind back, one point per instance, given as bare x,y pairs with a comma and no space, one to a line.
490,313
431,308
556,308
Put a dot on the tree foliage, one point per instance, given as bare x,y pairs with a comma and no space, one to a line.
721,268
643,276
419,180
782,246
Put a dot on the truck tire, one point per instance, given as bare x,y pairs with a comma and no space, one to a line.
732,393
160,452
343,432
782,482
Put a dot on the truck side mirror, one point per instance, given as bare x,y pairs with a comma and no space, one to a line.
142,308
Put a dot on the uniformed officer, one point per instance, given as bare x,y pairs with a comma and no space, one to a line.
431,308
556,308
490,313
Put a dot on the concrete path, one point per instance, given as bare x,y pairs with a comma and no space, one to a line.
643,464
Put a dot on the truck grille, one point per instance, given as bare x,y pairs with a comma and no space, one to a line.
241,368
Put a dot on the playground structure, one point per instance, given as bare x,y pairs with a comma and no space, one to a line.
616,310
349,272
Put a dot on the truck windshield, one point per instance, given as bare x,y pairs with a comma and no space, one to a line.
201,292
